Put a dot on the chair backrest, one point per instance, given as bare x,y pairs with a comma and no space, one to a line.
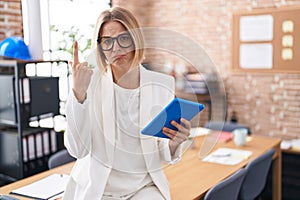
228,188
225,126
59,158
256,177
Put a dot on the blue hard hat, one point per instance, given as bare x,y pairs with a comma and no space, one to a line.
14,47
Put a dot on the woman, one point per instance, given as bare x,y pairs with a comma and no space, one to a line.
106,111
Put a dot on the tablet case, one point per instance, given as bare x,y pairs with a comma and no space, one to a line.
176,109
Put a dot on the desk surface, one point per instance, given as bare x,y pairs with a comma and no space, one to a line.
191,177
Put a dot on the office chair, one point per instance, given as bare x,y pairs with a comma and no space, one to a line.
225,126
59,158
228,188
256,177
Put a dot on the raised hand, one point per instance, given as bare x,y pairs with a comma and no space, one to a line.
81,74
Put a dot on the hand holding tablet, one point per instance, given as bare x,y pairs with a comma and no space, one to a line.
176,109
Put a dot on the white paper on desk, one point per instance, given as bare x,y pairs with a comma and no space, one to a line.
198,131
45,188
228,156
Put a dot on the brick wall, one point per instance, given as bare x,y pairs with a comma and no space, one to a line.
268,103
10,18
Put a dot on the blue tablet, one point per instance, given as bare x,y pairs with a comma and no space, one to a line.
176,109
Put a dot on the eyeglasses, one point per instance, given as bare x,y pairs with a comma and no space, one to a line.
107,43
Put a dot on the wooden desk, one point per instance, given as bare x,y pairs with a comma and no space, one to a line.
291,151
191,177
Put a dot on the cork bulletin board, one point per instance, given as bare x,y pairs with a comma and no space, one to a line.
266,40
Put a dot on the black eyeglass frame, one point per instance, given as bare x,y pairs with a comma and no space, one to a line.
113,39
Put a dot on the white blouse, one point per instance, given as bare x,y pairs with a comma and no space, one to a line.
129,172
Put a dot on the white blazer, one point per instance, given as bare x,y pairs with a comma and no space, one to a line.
90,134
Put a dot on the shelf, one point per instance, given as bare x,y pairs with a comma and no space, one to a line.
25,150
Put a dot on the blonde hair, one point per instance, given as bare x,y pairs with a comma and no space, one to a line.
127,19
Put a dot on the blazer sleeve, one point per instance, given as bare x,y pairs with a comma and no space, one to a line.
165,152
77,137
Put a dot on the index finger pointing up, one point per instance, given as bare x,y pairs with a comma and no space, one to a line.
75,53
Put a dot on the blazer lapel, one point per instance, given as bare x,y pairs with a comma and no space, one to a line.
146,100
145,97
108,108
